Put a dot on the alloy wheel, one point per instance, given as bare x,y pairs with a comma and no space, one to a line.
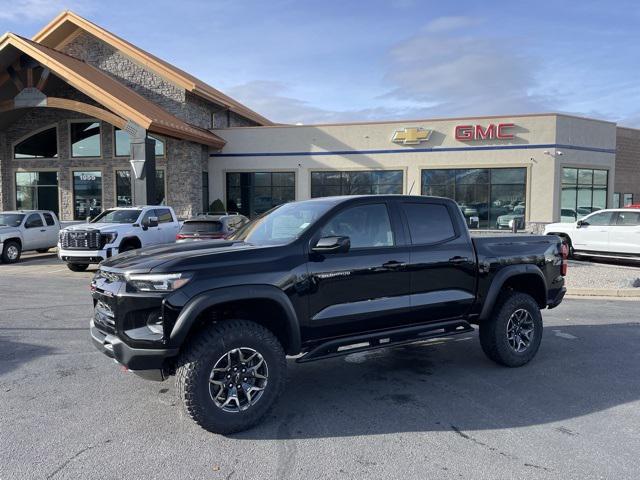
238,379
520,329
12,252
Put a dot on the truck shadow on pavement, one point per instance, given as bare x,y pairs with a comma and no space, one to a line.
452,386
14,354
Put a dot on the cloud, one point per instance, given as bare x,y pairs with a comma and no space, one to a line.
270,98
445,24
461,74
30,10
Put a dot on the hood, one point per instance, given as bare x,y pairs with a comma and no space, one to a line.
91,226
5,230
559,227
175,256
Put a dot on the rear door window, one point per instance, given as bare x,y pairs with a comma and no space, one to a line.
49,219
429,223
628,219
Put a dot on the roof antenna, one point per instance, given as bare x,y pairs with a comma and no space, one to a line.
411,189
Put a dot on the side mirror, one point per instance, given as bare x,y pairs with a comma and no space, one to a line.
332,245
581,223
150,222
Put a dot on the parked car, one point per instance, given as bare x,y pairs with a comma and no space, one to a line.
613,233
114,231
210,226
317,279
506,221
24,230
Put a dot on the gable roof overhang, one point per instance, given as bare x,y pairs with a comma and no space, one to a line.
108,92
67,25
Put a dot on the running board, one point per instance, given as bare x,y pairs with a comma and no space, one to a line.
387,338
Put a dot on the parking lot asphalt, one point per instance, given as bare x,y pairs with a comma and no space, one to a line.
432,410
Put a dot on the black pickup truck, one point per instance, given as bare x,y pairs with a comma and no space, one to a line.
316,279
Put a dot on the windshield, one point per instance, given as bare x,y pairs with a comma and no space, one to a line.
283,224
117,216
201,227
11,219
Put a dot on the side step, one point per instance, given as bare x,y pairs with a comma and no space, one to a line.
387,338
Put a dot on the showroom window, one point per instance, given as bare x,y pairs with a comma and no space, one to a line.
123,188
616,200
488,197
205,191
161,190
584,190
253,193
85,139
43,144
122,142
627,199
328,184
87,194
37,191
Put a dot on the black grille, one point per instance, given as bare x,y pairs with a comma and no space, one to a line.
103,318
81,240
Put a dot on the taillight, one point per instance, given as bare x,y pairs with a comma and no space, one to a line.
180,236
564,249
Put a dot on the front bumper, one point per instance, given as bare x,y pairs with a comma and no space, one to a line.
86,256
146,362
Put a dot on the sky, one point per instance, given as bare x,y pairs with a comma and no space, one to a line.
301,61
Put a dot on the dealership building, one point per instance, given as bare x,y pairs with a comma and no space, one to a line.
89,121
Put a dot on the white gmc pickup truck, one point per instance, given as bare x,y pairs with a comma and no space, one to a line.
116,230
23,230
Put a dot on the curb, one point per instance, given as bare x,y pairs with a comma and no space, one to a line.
604,292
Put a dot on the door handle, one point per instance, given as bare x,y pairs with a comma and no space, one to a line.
43,230
393,265
458,259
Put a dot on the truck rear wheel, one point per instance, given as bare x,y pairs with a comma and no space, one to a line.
230,375
512,335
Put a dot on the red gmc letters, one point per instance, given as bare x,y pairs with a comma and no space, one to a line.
466,133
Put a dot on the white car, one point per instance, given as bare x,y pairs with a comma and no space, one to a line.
23,230
114,231
612,233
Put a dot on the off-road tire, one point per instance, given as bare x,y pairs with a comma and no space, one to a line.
493,330
198,359
77,267
7,248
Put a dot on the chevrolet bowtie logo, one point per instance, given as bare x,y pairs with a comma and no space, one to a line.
411,135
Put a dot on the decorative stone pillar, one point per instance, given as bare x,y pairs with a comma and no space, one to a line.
143,165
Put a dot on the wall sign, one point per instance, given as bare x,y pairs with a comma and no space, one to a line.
500,131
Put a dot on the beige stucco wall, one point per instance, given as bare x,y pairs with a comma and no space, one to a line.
543,179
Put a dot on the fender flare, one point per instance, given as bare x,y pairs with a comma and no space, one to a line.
217,296
501,277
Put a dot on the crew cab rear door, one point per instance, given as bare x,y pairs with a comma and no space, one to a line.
442,261
368,287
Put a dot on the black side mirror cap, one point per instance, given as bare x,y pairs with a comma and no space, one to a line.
332,245
581,223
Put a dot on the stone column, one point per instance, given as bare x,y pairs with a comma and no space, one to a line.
143,165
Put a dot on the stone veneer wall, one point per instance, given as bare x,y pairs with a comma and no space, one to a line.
627,179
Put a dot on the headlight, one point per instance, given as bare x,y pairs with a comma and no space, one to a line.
158,282
108,237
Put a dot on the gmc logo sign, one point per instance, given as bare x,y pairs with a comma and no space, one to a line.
467,133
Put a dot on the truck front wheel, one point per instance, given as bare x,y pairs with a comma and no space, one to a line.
230,375
11,252
512,335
